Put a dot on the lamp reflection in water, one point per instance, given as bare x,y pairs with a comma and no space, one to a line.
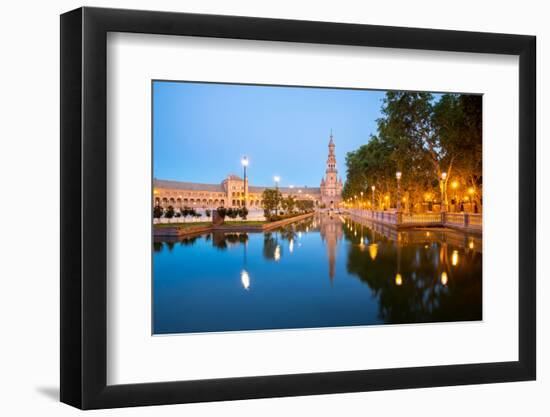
373,247
361,240
373,250
454,258
398,277
277,253
444,278
245,279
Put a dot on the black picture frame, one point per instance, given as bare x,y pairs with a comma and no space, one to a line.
84,207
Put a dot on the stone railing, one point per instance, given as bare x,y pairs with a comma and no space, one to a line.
422,218
469,221
462,220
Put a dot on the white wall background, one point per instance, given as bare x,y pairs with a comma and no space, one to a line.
29,175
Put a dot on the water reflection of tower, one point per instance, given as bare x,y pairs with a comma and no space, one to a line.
330,228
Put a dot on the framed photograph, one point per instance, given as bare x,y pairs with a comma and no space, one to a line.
257,208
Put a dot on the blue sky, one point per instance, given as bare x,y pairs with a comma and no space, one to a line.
201,130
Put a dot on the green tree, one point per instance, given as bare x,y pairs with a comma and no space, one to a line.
408,127
288,204
371,164
458,122
271,200
422,137
304,206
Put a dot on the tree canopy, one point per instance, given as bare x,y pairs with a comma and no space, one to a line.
422,137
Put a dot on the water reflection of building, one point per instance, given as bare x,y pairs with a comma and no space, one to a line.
470,241
417,276
330,228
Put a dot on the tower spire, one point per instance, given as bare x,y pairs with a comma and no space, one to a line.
331,186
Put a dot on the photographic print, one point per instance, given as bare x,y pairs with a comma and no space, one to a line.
290,207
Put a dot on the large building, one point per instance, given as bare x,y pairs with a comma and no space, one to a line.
232,191
228,193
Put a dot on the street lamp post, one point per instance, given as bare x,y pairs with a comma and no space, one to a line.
373,188
276,178
244,162
398,176
361,204
443,192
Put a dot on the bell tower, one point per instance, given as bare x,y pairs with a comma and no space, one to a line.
331,184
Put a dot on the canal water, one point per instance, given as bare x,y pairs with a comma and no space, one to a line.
327,271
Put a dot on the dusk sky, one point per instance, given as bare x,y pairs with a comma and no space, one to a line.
201,130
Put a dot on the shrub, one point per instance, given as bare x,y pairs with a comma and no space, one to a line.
222,211
243,212
157,212
169,212
232,213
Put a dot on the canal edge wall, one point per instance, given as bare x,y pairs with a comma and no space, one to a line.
191,231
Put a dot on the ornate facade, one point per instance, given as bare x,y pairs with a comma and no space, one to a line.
230,192
233,190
